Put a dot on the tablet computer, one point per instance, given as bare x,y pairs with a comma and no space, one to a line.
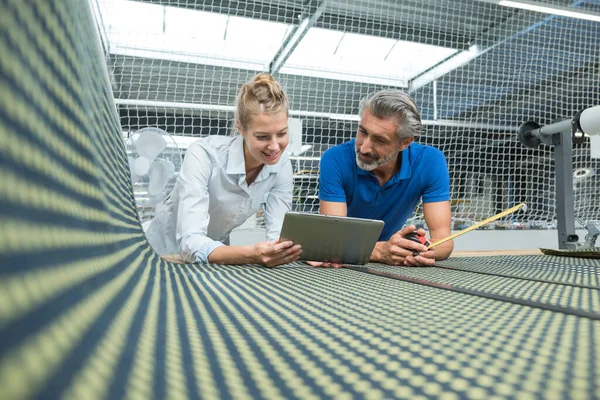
345,240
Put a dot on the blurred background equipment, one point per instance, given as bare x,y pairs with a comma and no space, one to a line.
154,160
561,136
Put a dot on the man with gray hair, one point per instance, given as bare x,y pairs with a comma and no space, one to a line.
383,174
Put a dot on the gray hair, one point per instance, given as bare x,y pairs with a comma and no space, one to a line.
397,105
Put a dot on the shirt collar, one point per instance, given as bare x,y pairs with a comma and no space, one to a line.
235,161
237,166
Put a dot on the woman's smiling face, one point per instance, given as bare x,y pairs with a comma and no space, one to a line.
265,138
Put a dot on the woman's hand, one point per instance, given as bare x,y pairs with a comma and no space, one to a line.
275,253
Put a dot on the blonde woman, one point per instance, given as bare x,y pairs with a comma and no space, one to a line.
225,179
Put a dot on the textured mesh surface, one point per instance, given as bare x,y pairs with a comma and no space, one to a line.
585,253
87,310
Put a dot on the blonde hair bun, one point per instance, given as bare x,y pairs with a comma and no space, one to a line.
263,94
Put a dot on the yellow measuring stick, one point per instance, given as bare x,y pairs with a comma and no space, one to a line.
477,225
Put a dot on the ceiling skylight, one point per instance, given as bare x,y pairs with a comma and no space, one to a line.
173,33
348,56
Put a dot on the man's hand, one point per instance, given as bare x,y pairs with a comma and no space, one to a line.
399,251
274,253
426,259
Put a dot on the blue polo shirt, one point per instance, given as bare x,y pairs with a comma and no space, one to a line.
423,174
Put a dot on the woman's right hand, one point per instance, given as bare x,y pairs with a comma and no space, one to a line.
275,253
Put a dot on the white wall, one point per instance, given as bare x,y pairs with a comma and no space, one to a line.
480,240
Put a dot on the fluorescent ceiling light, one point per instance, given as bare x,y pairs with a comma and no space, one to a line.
551,9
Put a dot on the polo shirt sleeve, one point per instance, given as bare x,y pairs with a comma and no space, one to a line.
436,177
331,177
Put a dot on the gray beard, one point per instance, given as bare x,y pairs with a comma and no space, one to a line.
370,166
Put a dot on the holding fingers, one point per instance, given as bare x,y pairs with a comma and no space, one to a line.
420,259
403,249
276,253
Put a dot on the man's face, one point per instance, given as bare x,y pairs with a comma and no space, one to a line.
377,142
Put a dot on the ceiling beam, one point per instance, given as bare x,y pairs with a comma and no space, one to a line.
307,19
